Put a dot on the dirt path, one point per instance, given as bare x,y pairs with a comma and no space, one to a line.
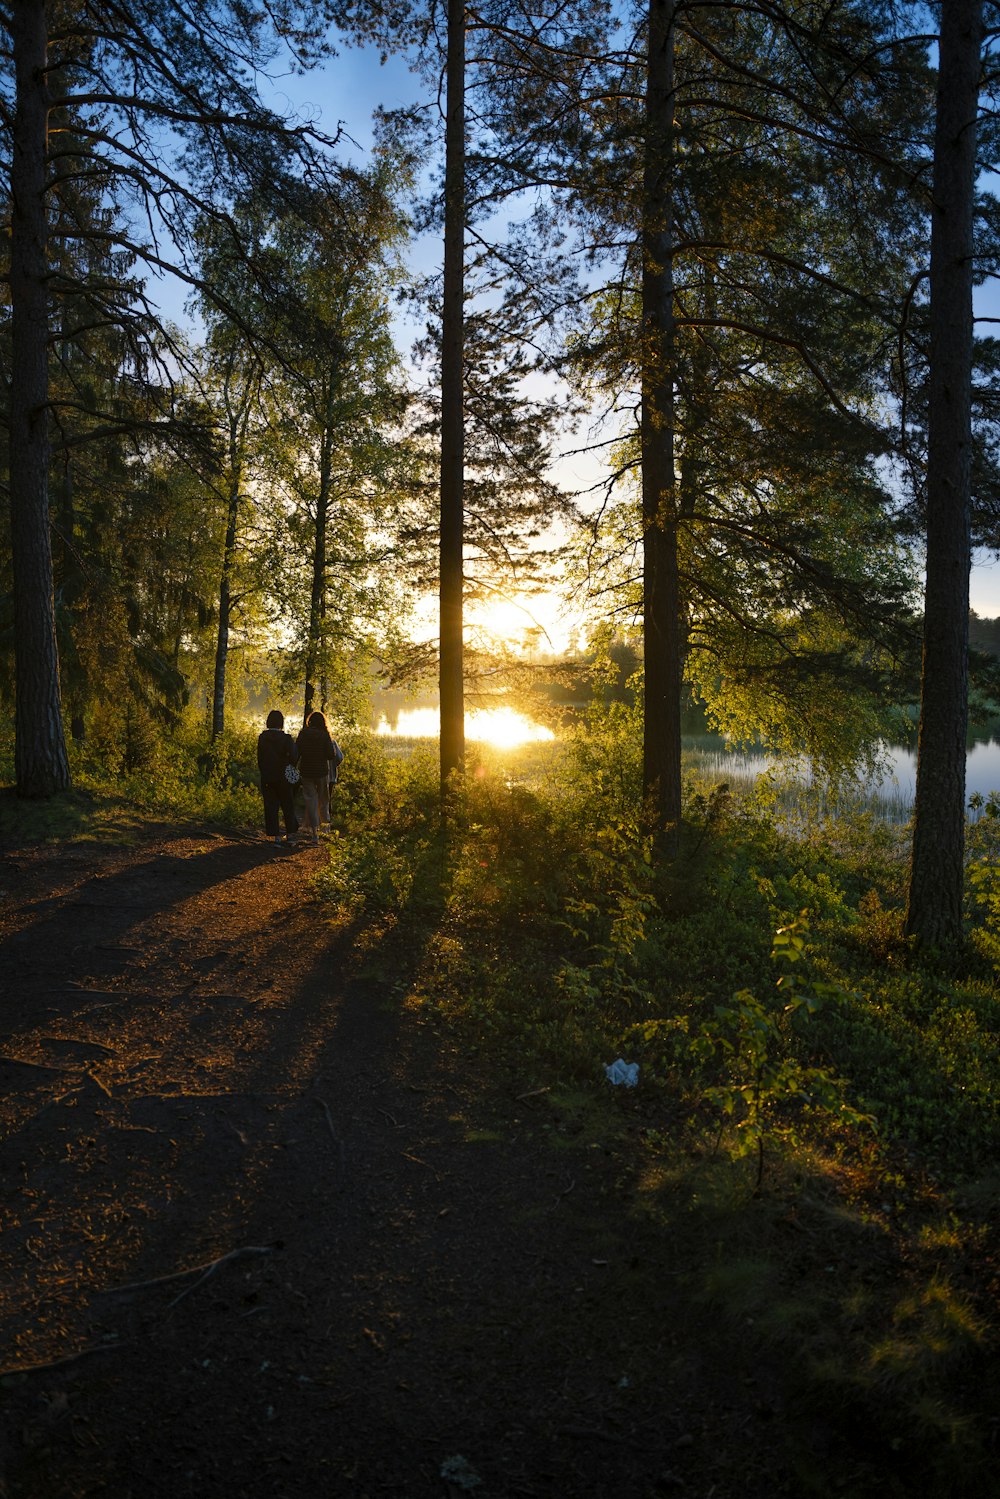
410,1295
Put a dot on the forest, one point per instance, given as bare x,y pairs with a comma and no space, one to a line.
567,1116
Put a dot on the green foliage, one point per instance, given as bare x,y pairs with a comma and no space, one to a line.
123,738
560,933
609,923
984,876
765,1084
364,873
747,1057
385,811
508,852
131,769
603,766
377,787
539,929
132,761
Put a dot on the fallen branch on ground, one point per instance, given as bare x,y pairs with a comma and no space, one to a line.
72,988
204,1271
341,1148
57,1363
329,1120
38,1066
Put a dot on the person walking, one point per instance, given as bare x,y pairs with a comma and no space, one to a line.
275,752
315,749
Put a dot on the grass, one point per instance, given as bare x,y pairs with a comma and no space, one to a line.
120,787
541,930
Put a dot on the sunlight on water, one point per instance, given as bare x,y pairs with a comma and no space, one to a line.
504,727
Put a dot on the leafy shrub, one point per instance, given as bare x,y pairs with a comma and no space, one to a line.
746,1055
602,771
180,774
375,786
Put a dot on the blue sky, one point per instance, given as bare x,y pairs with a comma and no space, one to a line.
348,89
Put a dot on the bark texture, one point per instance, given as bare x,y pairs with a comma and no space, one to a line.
41,766
451,679
225,602
661,589
316,645
934,912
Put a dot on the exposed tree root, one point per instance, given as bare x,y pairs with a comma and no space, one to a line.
203,1271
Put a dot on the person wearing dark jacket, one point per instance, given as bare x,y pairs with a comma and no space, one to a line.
315,750
275,750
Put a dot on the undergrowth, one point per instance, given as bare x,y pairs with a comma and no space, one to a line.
567,932
817,1103
128,772
790,1040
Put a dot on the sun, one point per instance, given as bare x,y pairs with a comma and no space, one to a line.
527,621
504,728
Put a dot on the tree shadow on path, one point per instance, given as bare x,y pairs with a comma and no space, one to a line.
293,1243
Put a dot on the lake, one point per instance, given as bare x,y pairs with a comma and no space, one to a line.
891,795
982,769
506,728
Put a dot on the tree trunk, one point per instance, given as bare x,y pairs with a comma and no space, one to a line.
239,421
317,601
934,912
451,680
41,766
661,759
225,607
65,566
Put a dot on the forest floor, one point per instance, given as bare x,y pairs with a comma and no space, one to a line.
268,1231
